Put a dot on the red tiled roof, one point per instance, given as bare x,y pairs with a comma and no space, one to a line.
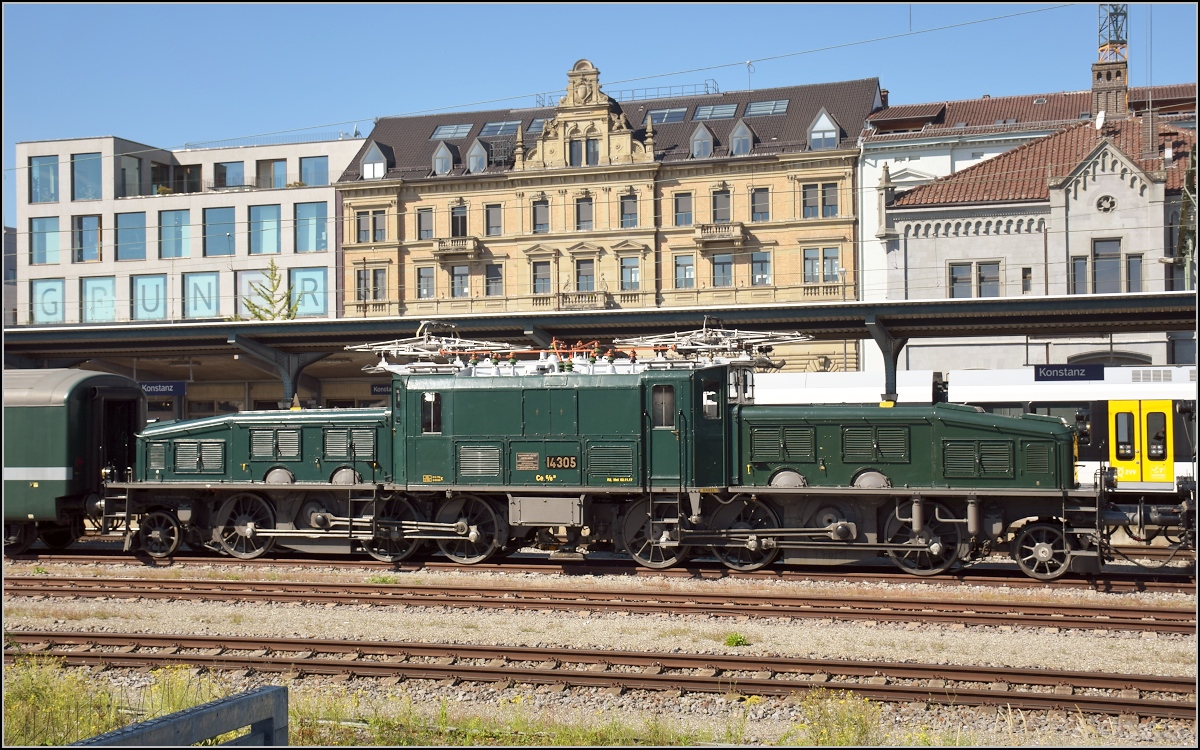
1023,174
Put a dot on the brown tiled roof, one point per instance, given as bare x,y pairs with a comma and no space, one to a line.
1023,174
848,102
1060,107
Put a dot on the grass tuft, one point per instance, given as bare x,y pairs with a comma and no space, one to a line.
736,639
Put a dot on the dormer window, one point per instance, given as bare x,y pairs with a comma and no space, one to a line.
443,160
741,141
824,132
374,165
477,158
702,143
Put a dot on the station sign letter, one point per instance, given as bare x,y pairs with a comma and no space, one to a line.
149,297
47,300
308,291
200,295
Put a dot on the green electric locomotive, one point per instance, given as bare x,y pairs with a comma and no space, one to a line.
663,458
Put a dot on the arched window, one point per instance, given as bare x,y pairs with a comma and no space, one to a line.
477,158
702,142
741,141
443,160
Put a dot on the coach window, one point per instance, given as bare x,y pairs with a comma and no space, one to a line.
431,413
1156,436
709,391
1125,436
663,402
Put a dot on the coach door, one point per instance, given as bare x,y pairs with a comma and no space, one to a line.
1141,434
665,433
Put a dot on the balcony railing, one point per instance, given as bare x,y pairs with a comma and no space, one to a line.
731,233
263,182
447,246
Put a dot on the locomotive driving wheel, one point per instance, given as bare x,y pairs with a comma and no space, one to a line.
639,540
943,545
484,531
752,519
160,534
390,544
19,537
238,523
1042,551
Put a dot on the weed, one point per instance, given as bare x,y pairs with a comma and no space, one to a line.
736,639
836,718
381,579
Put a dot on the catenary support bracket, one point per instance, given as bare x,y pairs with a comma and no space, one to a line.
287,365
891,348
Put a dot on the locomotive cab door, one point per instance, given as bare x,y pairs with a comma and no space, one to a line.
666,432
1140,446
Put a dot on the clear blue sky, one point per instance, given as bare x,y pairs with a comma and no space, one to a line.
169,74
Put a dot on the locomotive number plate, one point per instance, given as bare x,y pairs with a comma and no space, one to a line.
560,462
528,462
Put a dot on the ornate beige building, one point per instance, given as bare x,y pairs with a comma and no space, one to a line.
710,201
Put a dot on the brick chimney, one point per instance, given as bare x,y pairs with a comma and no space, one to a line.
1110,89
1150,135
883,97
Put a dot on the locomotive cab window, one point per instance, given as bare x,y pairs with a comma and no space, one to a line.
663,403
1156,436
1124,436
709,393
431,413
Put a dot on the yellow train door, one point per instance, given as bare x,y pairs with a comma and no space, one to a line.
1141,434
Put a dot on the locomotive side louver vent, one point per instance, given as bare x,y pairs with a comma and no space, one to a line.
800,443
478,461
958,458
892,443
1037,458
187,456
156,456
996,458
610,461
764,444
288,443
363,444
337,443
1153,376
212,456
858,444
262,444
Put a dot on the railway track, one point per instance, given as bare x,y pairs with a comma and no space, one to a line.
1157,580
1036,689
889,609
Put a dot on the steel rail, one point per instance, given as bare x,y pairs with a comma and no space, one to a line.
778,676
1154,580
886,609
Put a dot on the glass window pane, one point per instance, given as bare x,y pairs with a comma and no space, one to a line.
174,234
46,300
760,269
85,238
149,297
628,211
1106,267
593,152
663,407
989,279
829,199
424,223
379,226
492,219
1079,275
362,284
683,210
86,177
43,240
131,236
812,265
760,205
810,201
1133,272
425,289
541,217
720,205
129,176
1125,437
576,147
629,274
830,262
541,277
494,280
307,286
314,170
264,230
98,298
585,275
960,280
685,272
722,270
431,413
311,229
219,232
229,174
379,283
43,179
460,279
201,298
583,214
458,221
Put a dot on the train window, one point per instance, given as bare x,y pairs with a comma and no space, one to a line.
431,413
709,392
1124,421
663,406
1156,436
748,387
733,386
